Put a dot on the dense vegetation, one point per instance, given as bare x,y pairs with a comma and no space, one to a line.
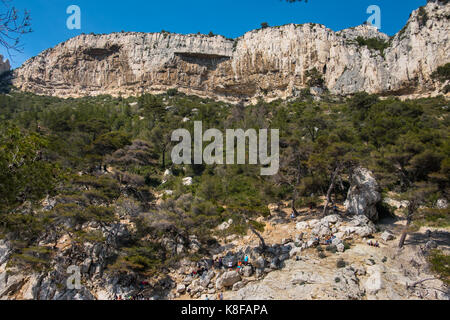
103,158
373,44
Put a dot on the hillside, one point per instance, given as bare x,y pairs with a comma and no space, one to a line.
88,183
93,204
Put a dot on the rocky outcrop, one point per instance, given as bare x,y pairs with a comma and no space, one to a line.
363,194
51,283
228,279
270,63
4,65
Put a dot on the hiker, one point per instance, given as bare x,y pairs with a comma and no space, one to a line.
292,215
310,208
220,263
246,260
230,264
239,266
335,210
221,296
216,263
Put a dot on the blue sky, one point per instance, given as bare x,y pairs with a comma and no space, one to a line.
231,18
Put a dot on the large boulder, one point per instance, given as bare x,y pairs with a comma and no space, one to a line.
260,263
228,279
302,225
181,288
331,219
238,285
5,251
363,194
387,236
247,271
374,283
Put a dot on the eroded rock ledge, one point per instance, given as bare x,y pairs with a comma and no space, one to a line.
270,63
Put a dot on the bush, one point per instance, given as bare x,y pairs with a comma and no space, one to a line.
422,17
442,73
341,263
104,184
373,44
331,248
109,142
315,78
440,263
346,245
144,258
32,258
172,92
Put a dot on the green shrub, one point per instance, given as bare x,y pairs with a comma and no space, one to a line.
109,142
422,17
172,92
331,248
442,73
341,263
322,255
315,78
440,263
346,245
373,44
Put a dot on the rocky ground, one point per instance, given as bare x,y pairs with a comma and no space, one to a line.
297,262
293,267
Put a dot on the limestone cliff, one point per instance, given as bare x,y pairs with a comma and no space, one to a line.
269,63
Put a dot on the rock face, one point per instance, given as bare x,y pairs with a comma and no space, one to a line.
228,279
363,194
88,259
270,63
4,65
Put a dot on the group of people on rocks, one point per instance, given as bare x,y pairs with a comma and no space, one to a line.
138,296
200,271
373,244
219,263
219,296
329,239
241,264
